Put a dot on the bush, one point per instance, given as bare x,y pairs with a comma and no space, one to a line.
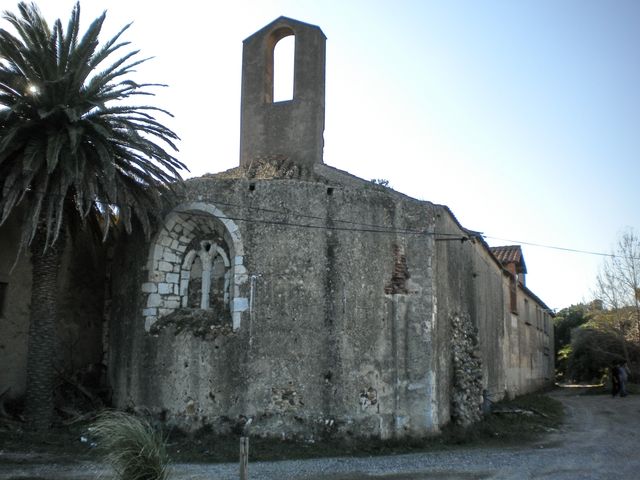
130,444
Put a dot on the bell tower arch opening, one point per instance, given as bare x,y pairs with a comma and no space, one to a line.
281,67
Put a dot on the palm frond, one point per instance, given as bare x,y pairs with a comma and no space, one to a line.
68,143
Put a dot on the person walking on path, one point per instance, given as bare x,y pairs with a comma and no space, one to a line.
623,376
615,379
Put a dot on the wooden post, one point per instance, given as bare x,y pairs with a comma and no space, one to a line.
244,458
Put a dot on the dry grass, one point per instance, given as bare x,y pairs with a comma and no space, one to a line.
131,446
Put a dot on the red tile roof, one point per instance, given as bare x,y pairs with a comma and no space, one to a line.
510,254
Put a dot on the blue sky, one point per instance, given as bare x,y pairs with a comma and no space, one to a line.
521,116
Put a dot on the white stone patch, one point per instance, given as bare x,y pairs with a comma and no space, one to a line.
154,300
240,304
236,318
170,257
173,278
165,266
149,287
158,252
431,404
155,276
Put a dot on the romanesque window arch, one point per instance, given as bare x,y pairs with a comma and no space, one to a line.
204,276
196,262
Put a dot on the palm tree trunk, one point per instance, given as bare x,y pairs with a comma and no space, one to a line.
42,331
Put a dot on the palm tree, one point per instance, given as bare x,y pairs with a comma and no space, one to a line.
74,150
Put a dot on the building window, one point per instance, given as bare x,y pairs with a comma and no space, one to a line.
205,277
527,312
513,294
3,295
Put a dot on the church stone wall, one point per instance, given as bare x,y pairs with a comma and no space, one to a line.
337,334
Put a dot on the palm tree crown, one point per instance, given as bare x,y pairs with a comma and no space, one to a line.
71,140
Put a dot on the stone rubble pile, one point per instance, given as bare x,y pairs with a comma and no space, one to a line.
467,371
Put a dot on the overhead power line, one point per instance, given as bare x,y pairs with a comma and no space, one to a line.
362,227
563,249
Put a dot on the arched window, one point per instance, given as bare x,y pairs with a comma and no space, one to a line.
206,271
191,296
283,69
196,263
280,66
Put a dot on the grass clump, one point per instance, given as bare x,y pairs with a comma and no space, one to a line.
513,421
131,446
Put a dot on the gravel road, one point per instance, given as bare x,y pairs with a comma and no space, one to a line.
600,440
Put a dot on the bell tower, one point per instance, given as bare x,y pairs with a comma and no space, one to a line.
293,128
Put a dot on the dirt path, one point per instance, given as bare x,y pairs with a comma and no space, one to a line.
600,440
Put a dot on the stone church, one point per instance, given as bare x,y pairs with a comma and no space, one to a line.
306,299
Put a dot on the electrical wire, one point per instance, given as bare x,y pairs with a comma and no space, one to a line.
563,249
366,227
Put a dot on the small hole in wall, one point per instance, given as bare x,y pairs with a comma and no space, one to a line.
252,187
330,191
